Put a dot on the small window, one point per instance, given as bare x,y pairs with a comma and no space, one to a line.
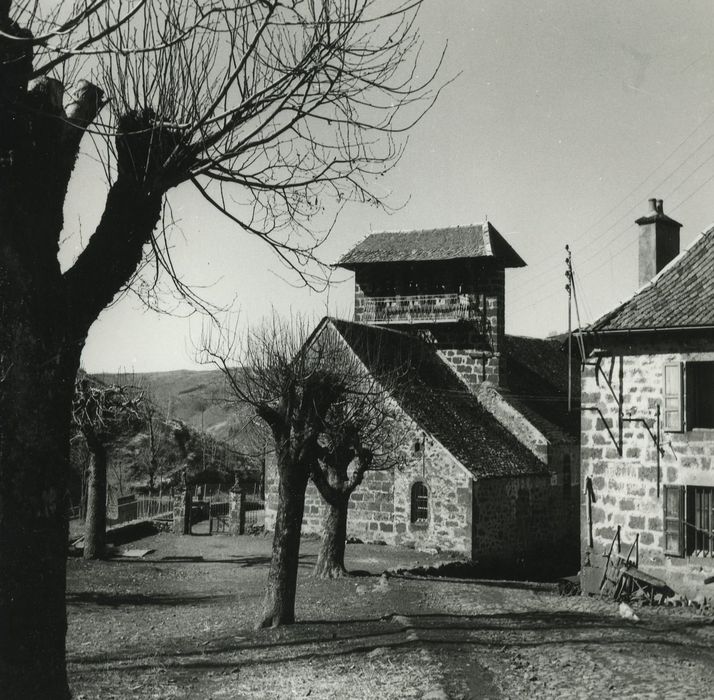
688,396
700,521
417,446
567,478
420,503
689,521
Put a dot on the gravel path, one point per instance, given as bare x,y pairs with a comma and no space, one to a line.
178,624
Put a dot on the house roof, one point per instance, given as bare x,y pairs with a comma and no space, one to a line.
537,385
680,296
456,242
438,401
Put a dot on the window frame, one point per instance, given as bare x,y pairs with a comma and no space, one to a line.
680,389
690,523
567,470
673,520
699,537
419,511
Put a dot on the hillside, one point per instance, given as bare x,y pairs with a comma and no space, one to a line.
200,400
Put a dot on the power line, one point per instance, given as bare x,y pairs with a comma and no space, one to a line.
647,177
530,290
593,240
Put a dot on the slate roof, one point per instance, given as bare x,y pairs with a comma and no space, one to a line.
457,242
537,385
681,295
437,400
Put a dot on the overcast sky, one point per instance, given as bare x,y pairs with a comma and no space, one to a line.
567,115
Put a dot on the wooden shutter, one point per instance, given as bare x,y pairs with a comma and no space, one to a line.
673,414
674,521
690,379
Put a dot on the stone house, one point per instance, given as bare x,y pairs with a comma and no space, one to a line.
648,416
490,453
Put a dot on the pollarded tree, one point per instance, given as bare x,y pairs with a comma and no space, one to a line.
291,379
267,107
361,433
102,414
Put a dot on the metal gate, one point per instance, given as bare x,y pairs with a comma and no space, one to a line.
219,517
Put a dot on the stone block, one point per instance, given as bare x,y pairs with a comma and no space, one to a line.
646,538
636,522
606,533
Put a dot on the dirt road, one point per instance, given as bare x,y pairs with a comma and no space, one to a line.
178,624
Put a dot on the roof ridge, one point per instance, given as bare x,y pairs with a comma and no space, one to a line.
683,254
424,230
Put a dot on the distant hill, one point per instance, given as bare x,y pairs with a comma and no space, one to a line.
202,401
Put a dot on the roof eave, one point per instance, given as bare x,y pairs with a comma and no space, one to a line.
652,329
513,260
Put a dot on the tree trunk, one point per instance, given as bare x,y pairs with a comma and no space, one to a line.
36,385
331,557
279,601
95,526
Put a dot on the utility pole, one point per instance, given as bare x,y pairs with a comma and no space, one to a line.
569,290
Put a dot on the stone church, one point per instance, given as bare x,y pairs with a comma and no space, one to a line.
490,464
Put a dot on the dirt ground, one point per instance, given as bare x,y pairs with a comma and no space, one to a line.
179,624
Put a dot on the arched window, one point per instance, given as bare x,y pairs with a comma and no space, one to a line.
420,503
567,479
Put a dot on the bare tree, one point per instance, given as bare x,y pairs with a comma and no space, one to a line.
291,379
361,433
267,107
102,414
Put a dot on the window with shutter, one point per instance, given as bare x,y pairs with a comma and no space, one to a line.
699,395
700,521
674,521
672,414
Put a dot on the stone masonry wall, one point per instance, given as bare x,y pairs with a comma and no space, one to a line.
526,523
625,485
380,508
475,357
521,522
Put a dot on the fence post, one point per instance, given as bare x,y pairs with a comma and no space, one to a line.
182,510
237,509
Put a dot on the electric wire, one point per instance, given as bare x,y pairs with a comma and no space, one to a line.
593,240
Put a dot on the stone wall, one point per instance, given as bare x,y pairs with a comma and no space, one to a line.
526,524
474,350
526,521
380,508
623,465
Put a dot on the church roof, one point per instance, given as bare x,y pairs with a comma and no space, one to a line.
537,385
454,243
436,399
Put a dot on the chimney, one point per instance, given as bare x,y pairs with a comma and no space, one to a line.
659,240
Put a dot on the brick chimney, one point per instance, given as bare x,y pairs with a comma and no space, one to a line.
659,240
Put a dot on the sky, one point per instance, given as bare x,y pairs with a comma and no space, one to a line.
564,117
